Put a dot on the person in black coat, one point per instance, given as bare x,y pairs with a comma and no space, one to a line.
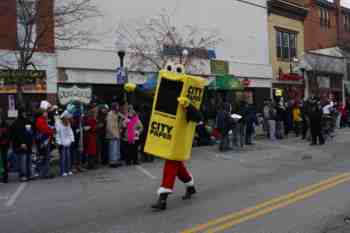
251,120
316,125
22,138
145,117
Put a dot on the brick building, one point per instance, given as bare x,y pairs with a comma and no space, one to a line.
327,24
327,29
38,85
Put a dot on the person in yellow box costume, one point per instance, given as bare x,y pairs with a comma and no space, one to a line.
172,125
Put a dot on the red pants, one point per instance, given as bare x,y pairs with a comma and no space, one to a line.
173,169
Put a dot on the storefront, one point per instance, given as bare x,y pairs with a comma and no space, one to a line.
289,86
327,86
324,76
33,85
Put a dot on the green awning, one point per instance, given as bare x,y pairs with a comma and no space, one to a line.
225,82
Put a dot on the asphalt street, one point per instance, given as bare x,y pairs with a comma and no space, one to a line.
270,187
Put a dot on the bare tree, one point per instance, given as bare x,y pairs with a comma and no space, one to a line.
146,40
36,20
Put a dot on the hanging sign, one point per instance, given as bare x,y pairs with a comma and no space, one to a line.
74,93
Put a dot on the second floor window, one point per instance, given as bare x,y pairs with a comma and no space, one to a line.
286,45
346,19
26,23
325,20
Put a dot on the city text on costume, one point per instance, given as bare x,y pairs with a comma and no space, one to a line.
161,130
194,94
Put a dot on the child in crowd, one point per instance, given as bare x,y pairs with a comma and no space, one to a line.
65,138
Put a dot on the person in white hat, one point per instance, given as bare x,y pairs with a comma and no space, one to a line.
65,138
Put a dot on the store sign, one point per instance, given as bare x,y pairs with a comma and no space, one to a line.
324,82
246,82
67,95
202,53
290,77
279,92
32,81
219,67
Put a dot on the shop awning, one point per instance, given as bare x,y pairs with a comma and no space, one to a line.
150,84
225,82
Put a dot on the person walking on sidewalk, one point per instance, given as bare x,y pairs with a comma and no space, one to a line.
113,136
22,137
4,145
65,138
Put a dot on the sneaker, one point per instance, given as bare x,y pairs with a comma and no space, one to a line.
70,173
64,174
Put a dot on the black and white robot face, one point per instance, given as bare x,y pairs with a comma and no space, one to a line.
174,67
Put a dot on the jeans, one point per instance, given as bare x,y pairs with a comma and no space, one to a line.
297,126
224,142
44,164
132,154
279,129
235,137
65,160
25,165
242,128
249,133
272,129
4,160
114,151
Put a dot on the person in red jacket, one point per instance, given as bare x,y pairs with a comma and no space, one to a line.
44,135
91,137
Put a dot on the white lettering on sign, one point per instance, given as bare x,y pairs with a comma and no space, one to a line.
74,93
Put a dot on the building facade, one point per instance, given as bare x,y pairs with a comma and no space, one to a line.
245,48
326,31
40,81
286,40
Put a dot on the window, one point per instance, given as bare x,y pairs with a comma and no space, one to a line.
286,45
26,23
325,19
346,19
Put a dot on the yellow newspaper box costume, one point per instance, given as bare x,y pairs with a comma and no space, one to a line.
172,126
170,134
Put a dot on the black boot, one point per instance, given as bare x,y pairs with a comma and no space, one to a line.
161,203
189,192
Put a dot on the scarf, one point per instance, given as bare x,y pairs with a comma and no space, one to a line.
131,129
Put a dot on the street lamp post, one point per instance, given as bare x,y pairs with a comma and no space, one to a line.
121,55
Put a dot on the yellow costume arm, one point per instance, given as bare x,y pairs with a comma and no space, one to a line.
184,102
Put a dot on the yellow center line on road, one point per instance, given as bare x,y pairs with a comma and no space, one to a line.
230,220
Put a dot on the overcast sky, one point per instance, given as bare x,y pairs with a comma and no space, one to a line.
345,3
